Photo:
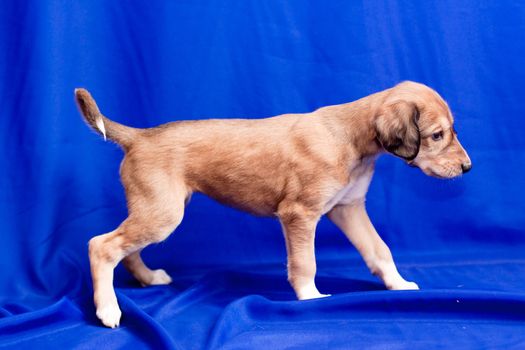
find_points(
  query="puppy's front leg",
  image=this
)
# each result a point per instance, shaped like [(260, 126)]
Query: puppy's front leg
[(299, 232), (354, 222)]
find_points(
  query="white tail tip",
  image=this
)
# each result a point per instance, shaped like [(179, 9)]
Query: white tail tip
[(100, 126)]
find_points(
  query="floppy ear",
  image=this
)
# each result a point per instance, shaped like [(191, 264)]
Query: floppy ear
[(397, 129)]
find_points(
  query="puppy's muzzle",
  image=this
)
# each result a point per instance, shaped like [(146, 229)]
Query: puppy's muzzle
[(465, 167)]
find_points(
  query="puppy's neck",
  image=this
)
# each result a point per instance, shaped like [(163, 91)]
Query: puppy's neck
[(353, 126)]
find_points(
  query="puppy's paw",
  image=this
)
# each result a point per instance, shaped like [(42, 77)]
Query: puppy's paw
[(322, 296), (109, 315), (310, 292), (404, 285), (158, 277)]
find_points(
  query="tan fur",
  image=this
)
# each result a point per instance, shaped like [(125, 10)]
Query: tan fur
[(296, 167)]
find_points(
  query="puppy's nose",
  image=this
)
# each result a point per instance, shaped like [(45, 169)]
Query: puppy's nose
[(466, 167)]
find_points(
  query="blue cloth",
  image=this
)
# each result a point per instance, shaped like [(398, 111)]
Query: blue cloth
[(152, 62)]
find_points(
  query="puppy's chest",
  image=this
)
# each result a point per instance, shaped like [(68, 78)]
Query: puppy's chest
[(352, 192)]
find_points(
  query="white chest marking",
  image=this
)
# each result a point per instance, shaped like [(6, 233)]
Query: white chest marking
[(354, 191)]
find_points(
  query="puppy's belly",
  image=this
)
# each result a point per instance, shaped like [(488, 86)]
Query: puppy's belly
[(261, 201)]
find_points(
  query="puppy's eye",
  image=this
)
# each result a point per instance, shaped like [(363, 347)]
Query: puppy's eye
[(437, 136)]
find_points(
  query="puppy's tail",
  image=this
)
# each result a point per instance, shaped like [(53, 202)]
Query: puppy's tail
[(121, 134)]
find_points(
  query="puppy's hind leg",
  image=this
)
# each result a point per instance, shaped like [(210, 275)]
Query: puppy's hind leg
[(147, 277), (151, 220)]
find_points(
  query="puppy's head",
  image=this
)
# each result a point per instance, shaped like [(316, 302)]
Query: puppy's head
[(415, 123)]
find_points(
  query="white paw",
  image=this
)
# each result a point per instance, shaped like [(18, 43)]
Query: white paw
[(109, 315), (160, 277), (310, 291), (404, 285), (316, 296)]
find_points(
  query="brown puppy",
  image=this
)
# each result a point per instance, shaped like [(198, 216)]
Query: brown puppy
[(297, 167)]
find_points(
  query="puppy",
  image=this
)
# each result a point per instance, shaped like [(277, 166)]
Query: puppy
[(296, 167)]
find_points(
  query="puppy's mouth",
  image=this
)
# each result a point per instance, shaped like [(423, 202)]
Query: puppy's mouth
[(443, 172), (439, 172)]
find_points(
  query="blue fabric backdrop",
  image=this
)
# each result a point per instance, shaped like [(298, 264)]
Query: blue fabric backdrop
[(151, 62)]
